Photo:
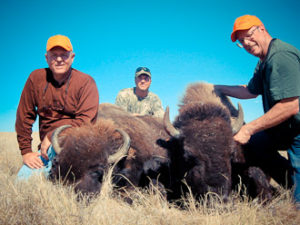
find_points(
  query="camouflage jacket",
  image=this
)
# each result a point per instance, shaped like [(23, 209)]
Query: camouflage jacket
[(150, 105)]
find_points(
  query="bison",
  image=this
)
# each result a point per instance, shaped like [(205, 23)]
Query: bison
[(86, 152), (203, 133), (198, 147)]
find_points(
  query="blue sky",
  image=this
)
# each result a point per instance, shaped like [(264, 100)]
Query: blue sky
[(180, 41)]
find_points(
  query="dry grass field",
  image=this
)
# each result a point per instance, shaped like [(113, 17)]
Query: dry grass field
[(38, 201)]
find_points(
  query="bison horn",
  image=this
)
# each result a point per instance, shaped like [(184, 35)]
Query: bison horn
[(122, 150), (54, 138), (169, 126), (237, 122)]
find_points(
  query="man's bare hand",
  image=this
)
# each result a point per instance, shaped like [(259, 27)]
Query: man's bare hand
[(32, 160), (243, 136), (44, 147)]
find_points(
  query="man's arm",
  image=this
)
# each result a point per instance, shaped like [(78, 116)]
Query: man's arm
[(26, 115), (279, 113), (157, 108), (87, 109), (44, 147), (241, 91), (122, 100)]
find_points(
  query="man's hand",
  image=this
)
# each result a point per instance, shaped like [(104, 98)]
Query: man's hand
[(243, 136), (32, 160), (44, 147), (280, 112)]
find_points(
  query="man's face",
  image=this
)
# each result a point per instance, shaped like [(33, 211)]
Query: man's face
[(143, 82), (59, 60), (252, 40)]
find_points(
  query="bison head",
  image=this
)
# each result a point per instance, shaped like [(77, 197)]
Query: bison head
[(204, 130), (85, 153)]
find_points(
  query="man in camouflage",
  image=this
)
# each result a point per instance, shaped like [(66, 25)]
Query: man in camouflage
[(139, 100)]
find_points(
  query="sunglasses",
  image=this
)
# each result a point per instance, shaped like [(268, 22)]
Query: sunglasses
[(144, 77), (142, 68), (241, 41), (64, 57)]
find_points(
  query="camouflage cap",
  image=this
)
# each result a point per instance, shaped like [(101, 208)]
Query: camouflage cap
[(142, 70)]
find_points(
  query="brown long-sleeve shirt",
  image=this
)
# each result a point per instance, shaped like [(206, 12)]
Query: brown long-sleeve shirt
[(74, 102)]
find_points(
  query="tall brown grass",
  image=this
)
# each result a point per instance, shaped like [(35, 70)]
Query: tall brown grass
[(38, 201)]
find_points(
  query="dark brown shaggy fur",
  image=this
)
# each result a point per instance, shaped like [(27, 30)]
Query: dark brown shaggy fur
[(207, 140), (86, 149), (84, 155), (214, 160), (147, 157)]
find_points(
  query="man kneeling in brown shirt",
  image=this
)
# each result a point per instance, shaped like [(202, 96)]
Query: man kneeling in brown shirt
[(59, 95)]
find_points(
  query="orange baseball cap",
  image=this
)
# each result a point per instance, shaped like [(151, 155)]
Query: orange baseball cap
[(244, 23), (59, 40)]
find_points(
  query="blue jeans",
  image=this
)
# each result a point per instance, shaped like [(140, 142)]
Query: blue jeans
[(25, 172), (294, 156), (262, 151)]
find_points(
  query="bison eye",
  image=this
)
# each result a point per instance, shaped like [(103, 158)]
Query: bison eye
[(97, 175)]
